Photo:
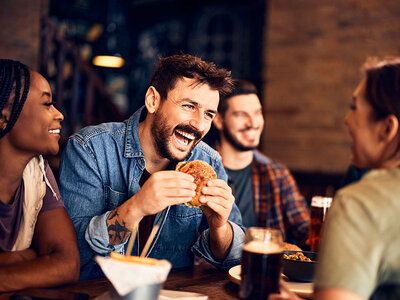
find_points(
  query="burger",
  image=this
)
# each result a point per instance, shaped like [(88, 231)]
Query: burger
[(202, 172)]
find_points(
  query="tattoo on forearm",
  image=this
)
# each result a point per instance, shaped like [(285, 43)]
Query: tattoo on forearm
[(117, 231), (113, 214)]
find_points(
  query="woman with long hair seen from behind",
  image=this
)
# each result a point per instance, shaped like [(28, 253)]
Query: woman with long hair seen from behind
[(38, 245), (360, 250)]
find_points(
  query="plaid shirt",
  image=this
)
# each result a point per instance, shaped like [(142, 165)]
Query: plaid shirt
[(277, 200)]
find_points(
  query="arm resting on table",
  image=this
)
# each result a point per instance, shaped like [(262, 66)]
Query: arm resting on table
[(57, 260), (9, 258)]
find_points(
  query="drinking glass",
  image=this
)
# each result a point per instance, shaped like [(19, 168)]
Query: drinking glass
[(261, 263), (319, 209)]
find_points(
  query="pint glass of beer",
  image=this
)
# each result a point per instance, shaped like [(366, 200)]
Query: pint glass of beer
[(319, 208), (261, 263)]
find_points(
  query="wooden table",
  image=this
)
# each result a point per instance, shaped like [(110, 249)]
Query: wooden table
[(203, 279)]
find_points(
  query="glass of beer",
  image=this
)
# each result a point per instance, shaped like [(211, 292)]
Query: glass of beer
[(261, 263), (319, 208)]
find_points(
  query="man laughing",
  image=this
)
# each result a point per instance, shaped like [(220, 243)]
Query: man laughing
[(115, 177)]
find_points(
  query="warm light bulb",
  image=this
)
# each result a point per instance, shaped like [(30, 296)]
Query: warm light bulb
[(108, 61)]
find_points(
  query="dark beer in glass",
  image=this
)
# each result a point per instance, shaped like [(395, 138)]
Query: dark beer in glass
[(319, 209), (261, 263)]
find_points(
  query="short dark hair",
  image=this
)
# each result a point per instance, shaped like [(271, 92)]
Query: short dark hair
[(14, 88), (169, 69), (240, 87), (383, 86)]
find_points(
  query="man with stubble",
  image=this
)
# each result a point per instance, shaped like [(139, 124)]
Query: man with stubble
[(265, 191), (117, 176)]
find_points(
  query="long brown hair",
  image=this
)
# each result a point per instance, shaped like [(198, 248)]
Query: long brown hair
[(383, 86)]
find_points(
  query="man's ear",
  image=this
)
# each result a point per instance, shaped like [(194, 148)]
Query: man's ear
[(390, 128), (218, 122), (152, 99), (4, 118)]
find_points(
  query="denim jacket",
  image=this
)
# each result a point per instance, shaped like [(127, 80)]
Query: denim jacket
[(100, 169)]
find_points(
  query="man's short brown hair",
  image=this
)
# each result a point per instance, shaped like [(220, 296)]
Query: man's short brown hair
[(169, 69), (240, 87)]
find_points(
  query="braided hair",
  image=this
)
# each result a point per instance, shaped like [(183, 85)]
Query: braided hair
[(14, 87)]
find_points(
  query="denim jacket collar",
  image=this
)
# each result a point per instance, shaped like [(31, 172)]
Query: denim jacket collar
[(132, 142)]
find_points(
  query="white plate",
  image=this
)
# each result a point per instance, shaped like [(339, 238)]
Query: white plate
[(303, 289)]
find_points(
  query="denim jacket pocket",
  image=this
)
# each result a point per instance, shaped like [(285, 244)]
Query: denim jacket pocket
[(114, 198)]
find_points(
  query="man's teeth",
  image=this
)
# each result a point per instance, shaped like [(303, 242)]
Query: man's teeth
[(186, 135), (54, 131)]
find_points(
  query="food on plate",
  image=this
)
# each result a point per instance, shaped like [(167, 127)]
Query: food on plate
[(202, 173), (297, 256), (133, 259)]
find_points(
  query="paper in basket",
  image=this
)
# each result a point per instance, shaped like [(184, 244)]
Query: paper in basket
[(127, 276)]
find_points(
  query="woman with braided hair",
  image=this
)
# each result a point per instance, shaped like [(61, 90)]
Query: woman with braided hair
[(38, 245)]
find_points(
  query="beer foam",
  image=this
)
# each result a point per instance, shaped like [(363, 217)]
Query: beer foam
[(263, 247), (318, 201)]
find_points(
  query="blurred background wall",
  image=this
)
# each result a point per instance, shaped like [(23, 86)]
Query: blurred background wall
[(303, 55), (313, 56), (20, 25)]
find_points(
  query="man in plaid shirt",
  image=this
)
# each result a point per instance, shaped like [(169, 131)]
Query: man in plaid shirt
[(265, 191)]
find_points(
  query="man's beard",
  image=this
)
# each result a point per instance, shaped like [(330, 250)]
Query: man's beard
[(234, 142), (163, 133)]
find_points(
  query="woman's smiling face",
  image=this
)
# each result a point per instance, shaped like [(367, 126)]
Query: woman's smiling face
[(37, 129)]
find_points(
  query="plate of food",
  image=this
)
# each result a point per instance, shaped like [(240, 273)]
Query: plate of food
[(302, 289)]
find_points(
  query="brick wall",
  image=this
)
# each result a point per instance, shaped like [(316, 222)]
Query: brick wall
[(314, 52), (312, 65), (20, 30)]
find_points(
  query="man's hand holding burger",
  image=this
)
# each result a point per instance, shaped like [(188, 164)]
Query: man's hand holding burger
[(162, 189), (195, 184), (216, 200)]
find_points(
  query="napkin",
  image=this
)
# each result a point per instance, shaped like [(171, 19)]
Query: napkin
[(127, 276)]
